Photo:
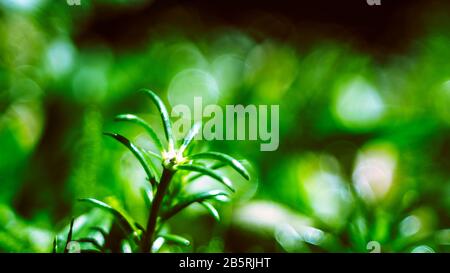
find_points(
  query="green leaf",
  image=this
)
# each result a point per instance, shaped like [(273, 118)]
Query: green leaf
[(139, 121), (190, 136), (125, 247), (153, 168), (55, 245), (157, 244), (211, 209), (214, 166), (147, 194), (199, 197), (139, 226), (124, 222), (150, 153), (207, 172), (101, 231), (164, 116), (69, 236), (136, 152), (235, 164), (176, 239), (91, 241)]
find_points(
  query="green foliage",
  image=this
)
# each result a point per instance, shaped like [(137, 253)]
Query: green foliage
[(162, 203), (329, 187)]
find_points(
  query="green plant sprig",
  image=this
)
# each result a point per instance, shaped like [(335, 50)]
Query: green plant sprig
[(174, 159)]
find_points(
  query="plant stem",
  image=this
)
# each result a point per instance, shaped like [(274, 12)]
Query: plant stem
[(147, 241)]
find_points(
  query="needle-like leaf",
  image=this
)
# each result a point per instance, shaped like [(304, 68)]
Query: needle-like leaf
[(145, 125), (214, 166), (136, 152), (176, 239), (101, 231), (157, 244), (69, 236), (205, 171), (235, 164), (187, 201), (164, 116), (139, 226), (190, 136), (124, 222), (211, 209), (147, 194), (55, 245), (150, 153), (90, 241), (147, 156)]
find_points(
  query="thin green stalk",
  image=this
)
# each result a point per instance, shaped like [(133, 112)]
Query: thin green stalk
[(156, 205)]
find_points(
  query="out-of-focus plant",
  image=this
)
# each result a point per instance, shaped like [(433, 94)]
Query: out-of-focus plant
[(165, 198)]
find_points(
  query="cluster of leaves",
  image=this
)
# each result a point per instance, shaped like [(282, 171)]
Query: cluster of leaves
[(165, 196)]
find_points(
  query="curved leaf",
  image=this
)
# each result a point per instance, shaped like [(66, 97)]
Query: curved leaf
[(125, 223), (69, 236), (214, 166), (139, 121), (211, 209), (91, 241), (207, 172), (157, 244), (150, 153), (136, 152), (190, 136), (164, 116), (176, 239), (153, 168), (199, 197), (125, 247), (147, 194), (55, 245), (235, 164), (101, 231)]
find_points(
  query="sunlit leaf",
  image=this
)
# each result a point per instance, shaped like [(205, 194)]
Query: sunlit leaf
[(136, 152), (147, 154), (205, 171), (126, 247), (190, 136), (137, 120), (147, 194), (55, 245), (90, 241), (235, 164), (157, 244), (214, 166), (125, 223), (101, 231), (211, 209), (150, 153), (164, 116), (69, 236), (199, 197), (176, 239)]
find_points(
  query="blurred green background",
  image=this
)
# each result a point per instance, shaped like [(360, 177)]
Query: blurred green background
[(364, 95)]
